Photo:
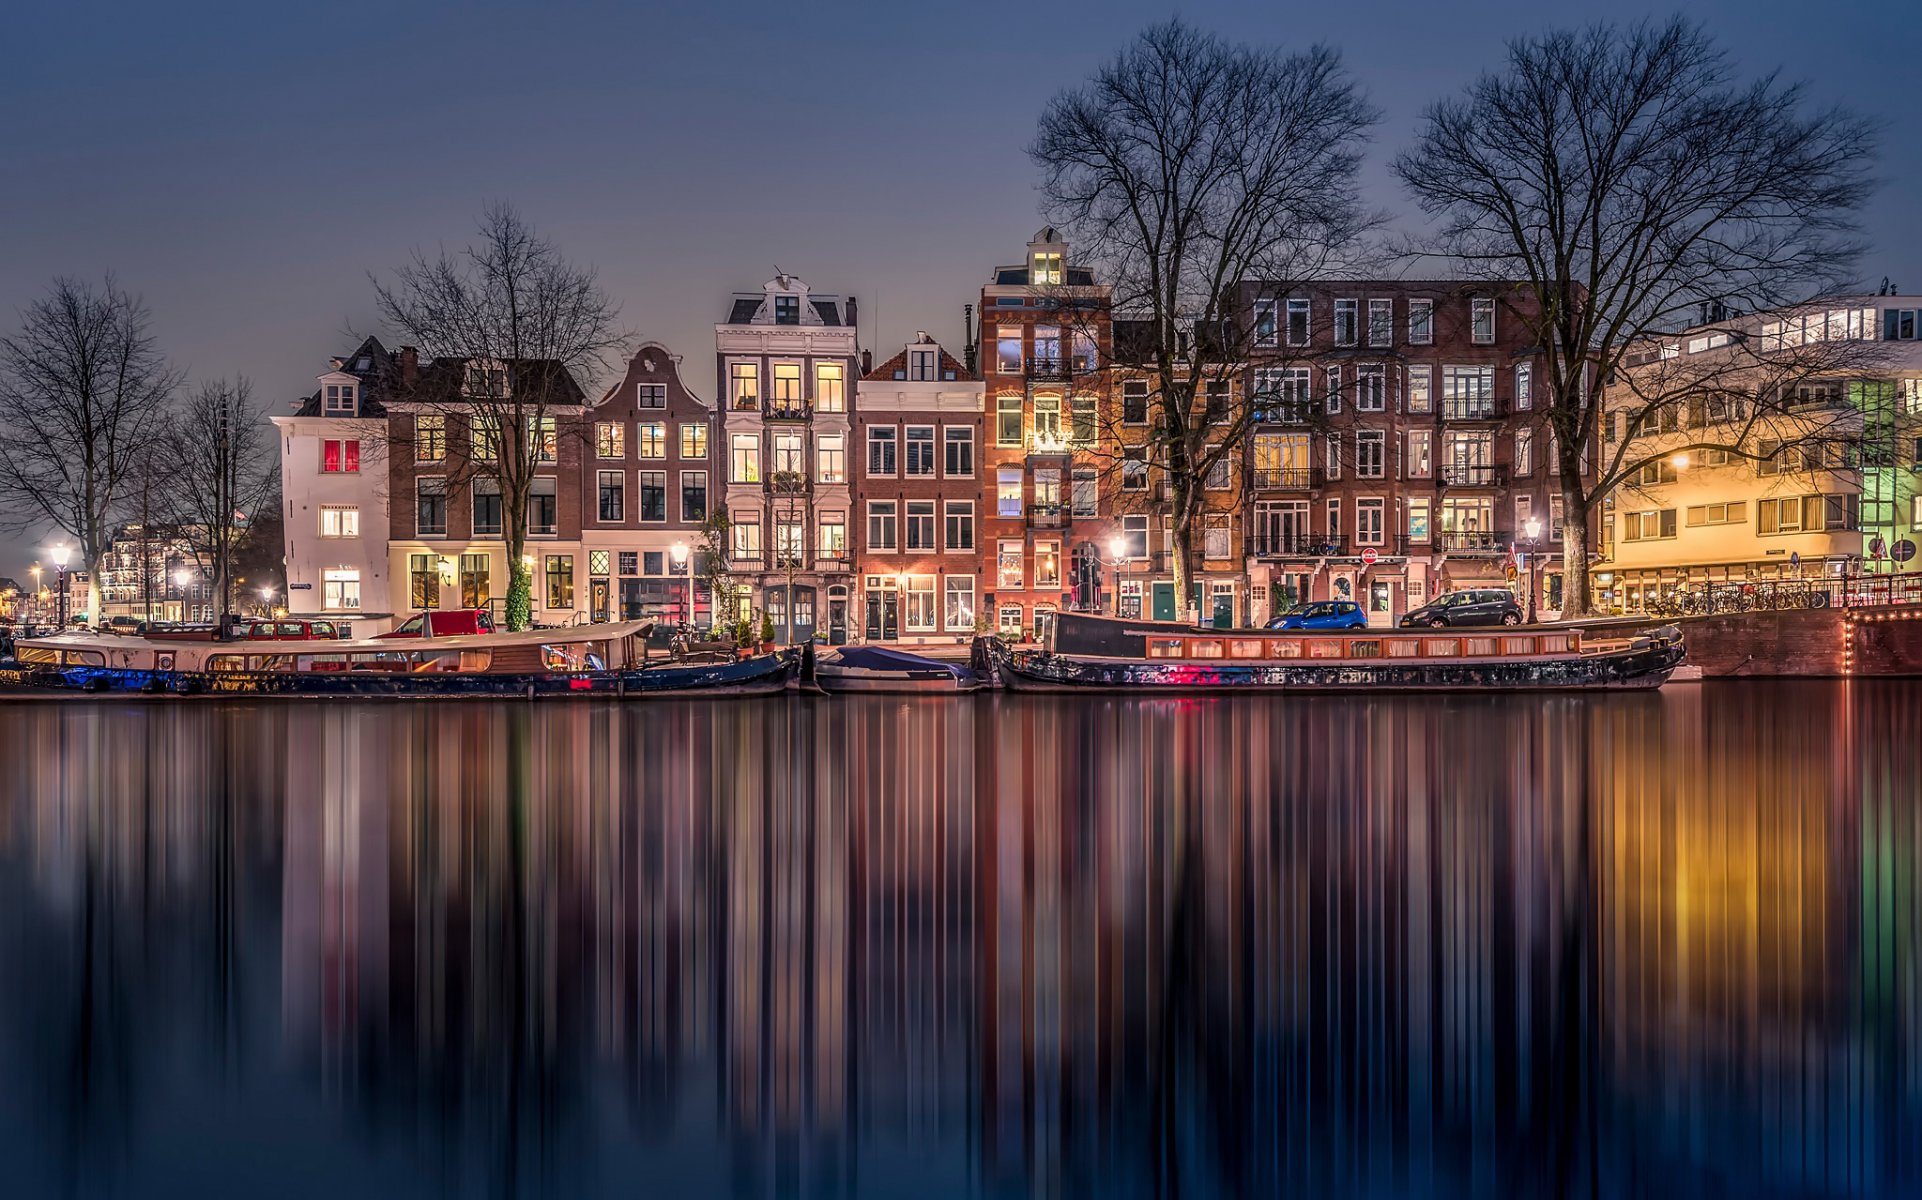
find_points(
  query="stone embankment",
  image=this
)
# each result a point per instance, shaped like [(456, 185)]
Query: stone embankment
[(1881, 640)]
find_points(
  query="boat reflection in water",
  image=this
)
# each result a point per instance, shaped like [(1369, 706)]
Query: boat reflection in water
[(1621, 945)]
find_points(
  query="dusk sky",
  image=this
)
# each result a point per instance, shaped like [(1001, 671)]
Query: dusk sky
[(245, 166)]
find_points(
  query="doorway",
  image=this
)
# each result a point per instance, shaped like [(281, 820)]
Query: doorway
[(597, 598), (1164, 600)]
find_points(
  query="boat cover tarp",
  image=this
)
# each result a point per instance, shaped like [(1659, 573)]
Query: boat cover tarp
[(880, 658)]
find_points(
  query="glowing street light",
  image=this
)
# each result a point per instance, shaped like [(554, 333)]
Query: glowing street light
[(1531, 533), (1117, 547), (1679, 462), (678, 552)]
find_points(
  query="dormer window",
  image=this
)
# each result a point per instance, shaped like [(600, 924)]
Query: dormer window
[(787, 310), (487, 381), (339, 400), (921, 364), (1046, 267)]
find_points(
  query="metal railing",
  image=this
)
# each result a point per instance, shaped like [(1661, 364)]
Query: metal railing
[(1478, 475), (1490, 409), (1297, 545), (1475, 541), (1284, 478), (1048, 516), (787, 410)]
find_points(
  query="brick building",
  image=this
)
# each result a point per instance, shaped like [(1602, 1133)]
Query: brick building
[(919, 423), (785, 358), (1399, 423)]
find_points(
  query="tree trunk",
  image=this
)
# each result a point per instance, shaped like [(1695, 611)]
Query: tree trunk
[(520, 574), (1575, 541), (1186, 577)]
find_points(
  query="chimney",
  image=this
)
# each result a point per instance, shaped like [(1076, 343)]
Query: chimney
[(854, 321), (409, 366), (867, 363), (967, 336)]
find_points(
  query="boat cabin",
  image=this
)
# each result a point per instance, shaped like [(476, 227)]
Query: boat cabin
[(1082, 635)]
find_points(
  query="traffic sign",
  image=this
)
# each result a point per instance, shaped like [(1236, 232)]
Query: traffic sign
[(1795, 559), (1902, 551), (1368, 556)]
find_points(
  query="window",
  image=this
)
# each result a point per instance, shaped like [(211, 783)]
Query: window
[(423, 582), (881, 525), (958, 446), (958, 603), (831, 458), (1085, 359), (790, 455), (921, 364), (1134, 469), (1799, 514), (1267, 329), (1007, 349), (1134, 537), (1047, 423), (1007, 419), (1421, 453), (597, 561), (1134, 402), (1371, 389), (1081, 420), (1734, 512), (694, 440), (1047, 349), (746, 529), (1215, 540), (881, 450), (1481, 319), (1898, 324), (1524, 509), (542, 439), (1334, 456), (339, 521), (746, 463), (484, 437), (1007, 492), (1047, 267), (1370, 516), (1524, 387), (1009, 618), (1524, 451), (693, 496), (1086, 491), (339, 401), (1220, 404), (650, 395), (790, 539), (1418, 519), (613, 495), (744, 384), (340, 589), (543, 508), (1468, 393), (653, 493), (1220, 475), (1298, 312), (919, 447), (787, 310), (474, 589), (833, 535), (430, 508), (787, 385), (957, 518), (430, 438), (610, 440), (918, 613), (1421, 322), (340, 457), (1371, 454), (1334, 389), (560, 581), (487, 508), (919, 534), (1652, 524), (1345, 319), (650, 439), (1011, 565), (1421, 395), (1334, 520), (1047, 565)]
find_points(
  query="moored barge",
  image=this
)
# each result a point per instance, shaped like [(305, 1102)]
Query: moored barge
[(1080, 653)]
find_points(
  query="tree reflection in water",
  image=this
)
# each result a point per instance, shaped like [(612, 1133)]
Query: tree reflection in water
[(1603, 945)]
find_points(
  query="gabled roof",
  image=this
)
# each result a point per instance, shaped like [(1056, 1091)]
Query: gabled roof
[(899, 363), (377, 370)]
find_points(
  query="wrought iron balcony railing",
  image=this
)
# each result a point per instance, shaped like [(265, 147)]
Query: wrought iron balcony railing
[(1048, 516), (1284, 478), (1296, 545), (1476, 476), (1488, 409), (1495, 541), (787, 410)]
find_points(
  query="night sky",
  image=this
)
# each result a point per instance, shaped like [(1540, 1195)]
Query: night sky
[(244, 166)]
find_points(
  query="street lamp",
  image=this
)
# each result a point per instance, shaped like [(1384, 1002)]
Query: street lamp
[(1531, 533), (60, 554), (678, 552), (1117, 546)]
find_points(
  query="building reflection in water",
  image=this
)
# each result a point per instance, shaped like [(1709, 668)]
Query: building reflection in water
[(1613, 946)]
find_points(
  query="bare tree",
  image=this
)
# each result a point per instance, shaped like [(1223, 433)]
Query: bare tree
[(1188, 167), (222, 473), (527, 330), (1622, 178), (82, 390)]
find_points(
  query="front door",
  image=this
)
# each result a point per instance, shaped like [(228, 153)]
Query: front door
[(837, 622), (884, 619), (1164, 600), (1224, 610), (597, 593), (802, 612)]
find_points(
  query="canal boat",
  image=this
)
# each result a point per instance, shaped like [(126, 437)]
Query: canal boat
[(883, 671), (1079, 653), (608, 660)]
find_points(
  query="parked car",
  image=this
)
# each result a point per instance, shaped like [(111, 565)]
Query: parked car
[(1322, 614), (1470, 606), (445, 624)]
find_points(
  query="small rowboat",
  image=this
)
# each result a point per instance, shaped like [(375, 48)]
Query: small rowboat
[(1081, 653), (878, 670), (608, 660)]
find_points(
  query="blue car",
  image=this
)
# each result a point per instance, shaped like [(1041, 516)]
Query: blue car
[(1322, 614)]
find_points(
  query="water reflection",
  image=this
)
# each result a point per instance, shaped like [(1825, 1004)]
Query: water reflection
[(1611, 946)]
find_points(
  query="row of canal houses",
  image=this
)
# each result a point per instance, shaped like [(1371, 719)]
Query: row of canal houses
[(937, 492)]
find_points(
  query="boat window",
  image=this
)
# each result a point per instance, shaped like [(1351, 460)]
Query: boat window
[(164, 661), (1518, 645), (1442, 647), (1481, 645), (37, 654), (1164, 647), (563, 657), (1404, 648), (1244, 649), (1368, 649), (475, 660), (1555, 643), (1325, 648), (1285, 648), (1204, 648), (86, 658)]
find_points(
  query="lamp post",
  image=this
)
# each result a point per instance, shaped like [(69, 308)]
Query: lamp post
[(1117, 546), (678, 552), (39, 593), (59, 555), (267, 599), (1531, 532)]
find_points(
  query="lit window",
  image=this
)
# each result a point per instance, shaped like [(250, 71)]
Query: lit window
[(339, 521), (610, 440), (1047, 267), (340, 589), (430, 438), (1482, 321), (830, 388), (650, 439), (694, 440)]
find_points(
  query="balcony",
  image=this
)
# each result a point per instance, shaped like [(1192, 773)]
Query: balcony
[(1296, 545), (745, 403), (1049, 441), (1489, 409), (787, 483), (833, 562), (1477, 475), (787, 410), (1048, 516), (1046, 370), (1474, 541), (1284, 479)]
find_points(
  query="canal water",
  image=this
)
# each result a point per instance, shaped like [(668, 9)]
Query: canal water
[(1634, 945)]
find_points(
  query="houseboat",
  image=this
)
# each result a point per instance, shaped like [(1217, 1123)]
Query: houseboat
[(608, 660), (1079, 653), (879, 670)]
